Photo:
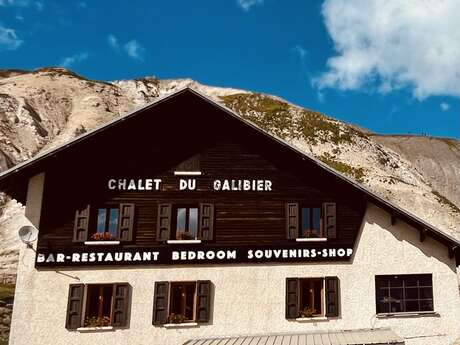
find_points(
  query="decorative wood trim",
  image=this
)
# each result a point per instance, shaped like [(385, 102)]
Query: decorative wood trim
[(183, 241), (181, 325), (102, 243), (452, 250), (423, 233), (95, 329), (320, 239), (187, 173)]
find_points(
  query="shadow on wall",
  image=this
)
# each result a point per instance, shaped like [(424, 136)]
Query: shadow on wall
[(404, 233)]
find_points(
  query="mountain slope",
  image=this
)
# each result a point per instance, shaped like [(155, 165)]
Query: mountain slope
[(47, 107)]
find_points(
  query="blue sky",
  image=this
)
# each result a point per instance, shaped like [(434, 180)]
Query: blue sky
[(381, 64)]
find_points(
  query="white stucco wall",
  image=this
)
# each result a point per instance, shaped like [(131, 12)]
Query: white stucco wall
[(250, 299)]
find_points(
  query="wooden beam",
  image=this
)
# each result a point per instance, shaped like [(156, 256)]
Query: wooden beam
[(393, 219), (452, 250), (423, 234)]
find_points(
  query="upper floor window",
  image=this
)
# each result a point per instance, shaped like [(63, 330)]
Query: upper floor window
[(311, 221), (98, 305), (185, 222), (404, 293), (179, 302), (107, 223), (312, 297)]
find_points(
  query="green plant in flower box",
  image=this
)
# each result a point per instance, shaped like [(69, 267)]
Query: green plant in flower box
[(94, 321), (307, 312), (176, 318)]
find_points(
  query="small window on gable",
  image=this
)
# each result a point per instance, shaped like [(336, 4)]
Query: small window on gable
[(311, 222), (194, 222), (304, 222), (104, 223), (186, 223)]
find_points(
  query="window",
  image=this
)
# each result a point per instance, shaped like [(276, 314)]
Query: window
[(98, 305), (181, 302), (312, 297), (106, 227), (404, 293), (185, 222), (311, 222), (105, 223)]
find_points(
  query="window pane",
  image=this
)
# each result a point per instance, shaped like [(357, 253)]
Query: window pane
[(426, 305), (412, 293), (311, 291), (316, 224), (182, 301), (98, 305), (193, 222), (426, 293), (305, 222), (412, 306), (181, 219), (101, 217), (113, 221)]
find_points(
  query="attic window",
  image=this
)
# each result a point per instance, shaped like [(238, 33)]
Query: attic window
[(189, 167)]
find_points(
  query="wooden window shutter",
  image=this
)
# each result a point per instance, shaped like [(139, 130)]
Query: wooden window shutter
[(81, 225), (329, 219), (120, 304), (332, 296), (126, 222), (160, 303), (203, 304), (206, 230), (292, 298), (292, 220), (74, 306), (164, 222)]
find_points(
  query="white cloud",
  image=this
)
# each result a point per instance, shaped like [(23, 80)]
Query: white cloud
[(19, 17), (248, 4), (444, 106), (113, 41), (69, 61), (394, 44), (300, 51), (9, 40), (134, 50), (22, 3)]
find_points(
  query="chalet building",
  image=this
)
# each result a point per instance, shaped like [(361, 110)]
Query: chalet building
[(182, 223)]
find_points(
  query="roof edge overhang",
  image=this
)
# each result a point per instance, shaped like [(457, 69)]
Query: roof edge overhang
[(395, 211)]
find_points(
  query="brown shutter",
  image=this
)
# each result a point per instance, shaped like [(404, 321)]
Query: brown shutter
[(120, 304), (126, 222), (81, 225), (203, 302), (74, 306), (206, 230), (160, 303), (329, 219), (332, 296), (292, 298), (164, 222), (292, 220)]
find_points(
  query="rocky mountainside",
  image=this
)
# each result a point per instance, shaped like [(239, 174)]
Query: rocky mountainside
[(44, 108)]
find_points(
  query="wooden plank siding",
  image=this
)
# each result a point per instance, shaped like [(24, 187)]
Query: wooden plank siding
[(241, 217)]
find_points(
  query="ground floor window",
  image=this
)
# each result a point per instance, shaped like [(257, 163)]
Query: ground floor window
[(180, 302), (98, 305), (312, 297), (404, 293)]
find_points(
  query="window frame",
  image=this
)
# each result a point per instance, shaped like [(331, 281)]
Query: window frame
[(311, 208), (403, 299), (174, 232), (78, 306), (195, 298), (322, 314), (94, 222)]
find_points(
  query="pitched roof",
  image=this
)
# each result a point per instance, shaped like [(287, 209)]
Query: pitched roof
[(27, 169)]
